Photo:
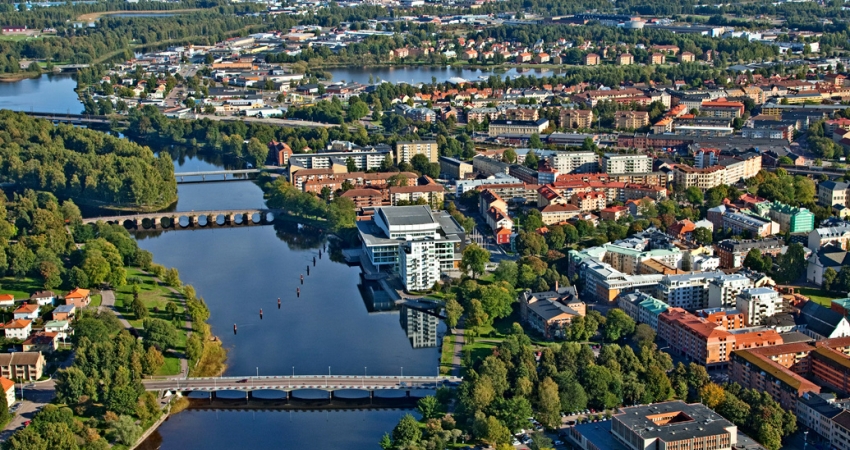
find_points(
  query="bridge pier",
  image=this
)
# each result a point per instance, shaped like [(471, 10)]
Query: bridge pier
[(247, 219), (229, 219), (192, 220)]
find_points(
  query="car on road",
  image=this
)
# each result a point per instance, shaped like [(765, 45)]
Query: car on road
[(27, 423), (244, 380)]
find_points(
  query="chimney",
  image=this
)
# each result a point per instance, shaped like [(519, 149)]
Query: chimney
[(556, 285)]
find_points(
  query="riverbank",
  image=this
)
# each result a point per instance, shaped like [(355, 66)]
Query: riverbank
[(13, 77), (97, 15)]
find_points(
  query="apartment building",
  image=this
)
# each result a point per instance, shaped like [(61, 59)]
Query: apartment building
[(454, 169), (550, 313), (604, 283), (576, 118), (523, 127), (27, 366), (839, 235), (556, 214), (591, 59), (723, 290), (791, 219), (757, 304), (589, 201), (631, 120), (365, 198), (574, 162), (760, 369), (704, 179), (732, 252), (489, 167), (432, 194), (616, 163), (642, 307), (405, 151), (705, 342), (755, 226), (688, 291), (625, 59), (831, 193)]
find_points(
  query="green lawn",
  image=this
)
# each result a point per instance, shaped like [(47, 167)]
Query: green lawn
[(155, 297), (20, 288), (96, 299), (819, 295), (446, 355)]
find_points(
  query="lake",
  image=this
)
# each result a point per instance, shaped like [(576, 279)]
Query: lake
[(48, 93)]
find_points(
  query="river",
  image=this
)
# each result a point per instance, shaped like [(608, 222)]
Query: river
[(240, 270), (48, 93)]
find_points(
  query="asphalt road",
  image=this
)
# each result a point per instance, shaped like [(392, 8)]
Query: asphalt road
[(299, 382)]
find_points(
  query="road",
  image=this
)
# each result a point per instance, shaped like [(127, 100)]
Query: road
[(299, 382), (293, 123)]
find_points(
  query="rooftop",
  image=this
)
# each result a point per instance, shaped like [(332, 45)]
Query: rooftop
[(673, 421)]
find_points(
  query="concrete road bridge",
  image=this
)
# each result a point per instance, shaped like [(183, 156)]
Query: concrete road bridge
[(213, 175), (289, 384), (162, 221), (76, 119)]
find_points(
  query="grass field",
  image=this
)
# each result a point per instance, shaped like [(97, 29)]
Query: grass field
[(819, 295), (96, 300), (155, 297), (20, 37), (446, 355), (20, 288)]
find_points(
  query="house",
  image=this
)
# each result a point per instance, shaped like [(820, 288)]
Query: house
[(61, 327), (7, 300), (625, 59), (8, 387), (44, 342), (64, 312), (592, 59), (18, 329), (80, 298), (613, 213), (43, 298), (557, 213), (28, 366), (687, 57), (27, 311)]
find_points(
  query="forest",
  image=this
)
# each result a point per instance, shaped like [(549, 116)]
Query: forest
[(87, 166)]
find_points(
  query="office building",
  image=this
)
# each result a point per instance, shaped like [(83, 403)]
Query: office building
[(673, 425), (642, 308), (524, 127), (414, 241)]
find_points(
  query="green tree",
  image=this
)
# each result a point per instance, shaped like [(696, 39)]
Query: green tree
[(617, 324), (428, 407), (531, 159), (160, 333), (694, 195), (453, 312), (139, 308), (829, 277), (476, 316), (350, 165), (548, 404), (755, 261), (257, 152), (341, 213), (70, 385), (535, 142), (509, 156), (644, 335), (125, 429), (703, 236), (506, 271), (407, 432), (474, 260), (172, 277)]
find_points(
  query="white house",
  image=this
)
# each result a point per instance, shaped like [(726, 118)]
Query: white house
[(43, 298), (18, 329), (61, 327), (27, 311), (7, 300)]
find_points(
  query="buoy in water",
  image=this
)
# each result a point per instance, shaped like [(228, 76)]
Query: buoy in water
[(278, 303), (234, 328), (298, 292), (302, 278), (308, 271), (314, 261), (261, 313)]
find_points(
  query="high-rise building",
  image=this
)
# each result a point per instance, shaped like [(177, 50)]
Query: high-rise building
[(757, 304), (615, 163), (405, 151)]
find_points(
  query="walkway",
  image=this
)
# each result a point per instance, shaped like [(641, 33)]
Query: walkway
[(460, 339), (108, 302)]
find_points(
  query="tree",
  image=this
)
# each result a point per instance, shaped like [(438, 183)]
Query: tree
[(126, 431), (755, 261), (50, 273), (139, 308), (172, 277), (428, 407), (407, 432), (694, 195), (792, 264), (531, 159), (531, 243), (509, 156), (453, 312), (476, 316), (513, 412), (829, 276), (26, 439), (4, 410), (540, 441), (474, 260), (573, 397), (712, 395), (257, 152), (617, 325), (160, 333), (341, 213), (644, 335), (350, 165), (535, 142), (506, 271), (548, 404), (703, 236)]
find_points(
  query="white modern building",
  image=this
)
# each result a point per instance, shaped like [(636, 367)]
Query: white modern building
[(688, 291), (574, 162), (757, 304), (723, 291), (413, 241), (615, 163)]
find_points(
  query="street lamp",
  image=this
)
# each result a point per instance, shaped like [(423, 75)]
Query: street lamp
[(258, 372), (805, 439), (402, 371), (293, 376), (364, 376)]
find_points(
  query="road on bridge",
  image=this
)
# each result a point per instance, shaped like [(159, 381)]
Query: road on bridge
[(334, 382)]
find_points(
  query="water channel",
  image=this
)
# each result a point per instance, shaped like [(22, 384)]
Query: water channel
[(240, 270)]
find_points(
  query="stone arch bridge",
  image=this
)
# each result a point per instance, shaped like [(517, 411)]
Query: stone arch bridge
[(187, 220)]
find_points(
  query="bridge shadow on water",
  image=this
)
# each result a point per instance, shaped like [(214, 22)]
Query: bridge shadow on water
[(304, 400)]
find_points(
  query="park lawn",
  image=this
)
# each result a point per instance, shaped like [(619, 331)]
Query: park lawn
[(155, 297), (819, 295), (446, 355), (479, 350), (21, 288)]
